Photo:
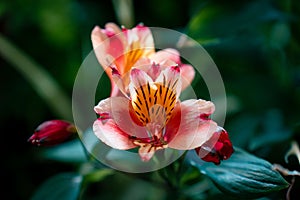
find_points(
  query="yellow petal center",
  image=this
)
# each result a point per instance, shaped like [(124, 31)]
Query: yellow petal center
[(154, 104), (134, 53)]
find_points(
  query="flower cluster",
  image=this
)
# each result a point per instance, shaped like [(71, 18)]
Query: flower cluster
[(144, 110)]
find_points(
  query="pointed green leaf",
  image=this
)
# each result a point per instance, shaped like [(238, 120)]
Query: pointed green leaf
[(62, 186), (243, 175)]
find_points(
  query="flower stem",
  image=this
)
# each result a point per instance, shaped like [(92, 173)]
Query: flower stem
[(40, 79), (124, 12)]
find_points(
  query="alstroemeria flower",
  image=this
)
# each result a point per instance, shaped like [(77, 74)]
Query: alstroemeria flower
[(217, 148), (121, 47), (119, 50), (52, 132), (153, 118)]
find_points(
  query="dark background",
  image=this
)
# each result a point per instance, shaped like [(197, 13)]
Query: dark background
[(255, 44)]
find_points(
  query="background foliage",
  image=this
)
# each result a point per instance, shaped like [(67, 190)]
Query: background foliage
[(255, 44)]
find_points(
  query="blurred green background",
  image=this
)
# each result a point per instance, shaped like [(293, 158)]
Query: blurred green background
[(255, 44)]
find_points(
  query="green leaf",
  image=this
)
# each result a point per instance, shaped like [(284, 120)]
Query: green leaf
[(67, 152), (98, 175), (62, 186), (274, 131), (243, 175), (215, 20)]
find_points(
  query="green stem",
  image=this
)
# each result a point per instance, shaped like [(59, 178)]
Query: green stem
[(124, 12), (40, 79)]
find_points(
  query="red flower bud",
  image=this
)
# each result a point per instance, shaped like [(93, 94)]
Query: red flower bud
[(52, 132), (217, 148)]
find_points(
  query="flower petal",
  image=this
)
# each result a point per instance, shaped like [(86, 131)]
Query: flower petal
[(119, 109), (116, 42), (166, 54), (101, 43), (108, 45), (193, 129), (146, 152), (118, 87), (217, 148), (170, 78), (97, 36), (139, 44), (143, 36), (187, 75), (112, 135), (53, 132), (112, 27), (138, 79), (151, 68)]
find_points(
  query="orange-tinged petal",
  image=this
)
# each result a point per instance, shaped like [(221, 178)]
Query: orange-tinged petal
[(154, 102), (138, 44), (119, 109), (122, 48), (170, 78)]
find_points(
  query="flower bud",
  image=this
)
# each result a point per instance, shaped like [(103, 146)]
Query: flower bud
[(52, 132), (217, 148)]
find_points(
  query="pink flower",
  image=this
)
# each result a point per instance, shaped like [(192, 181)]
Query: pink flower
[(119, 50), (52, 132), (217, 148), (153, 118), (122, 47)]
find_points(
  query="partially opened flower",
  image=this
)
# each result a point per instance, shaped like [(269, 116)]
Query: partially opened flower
[(119, 50), (217, 148), (153, 118), (53, 132)]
